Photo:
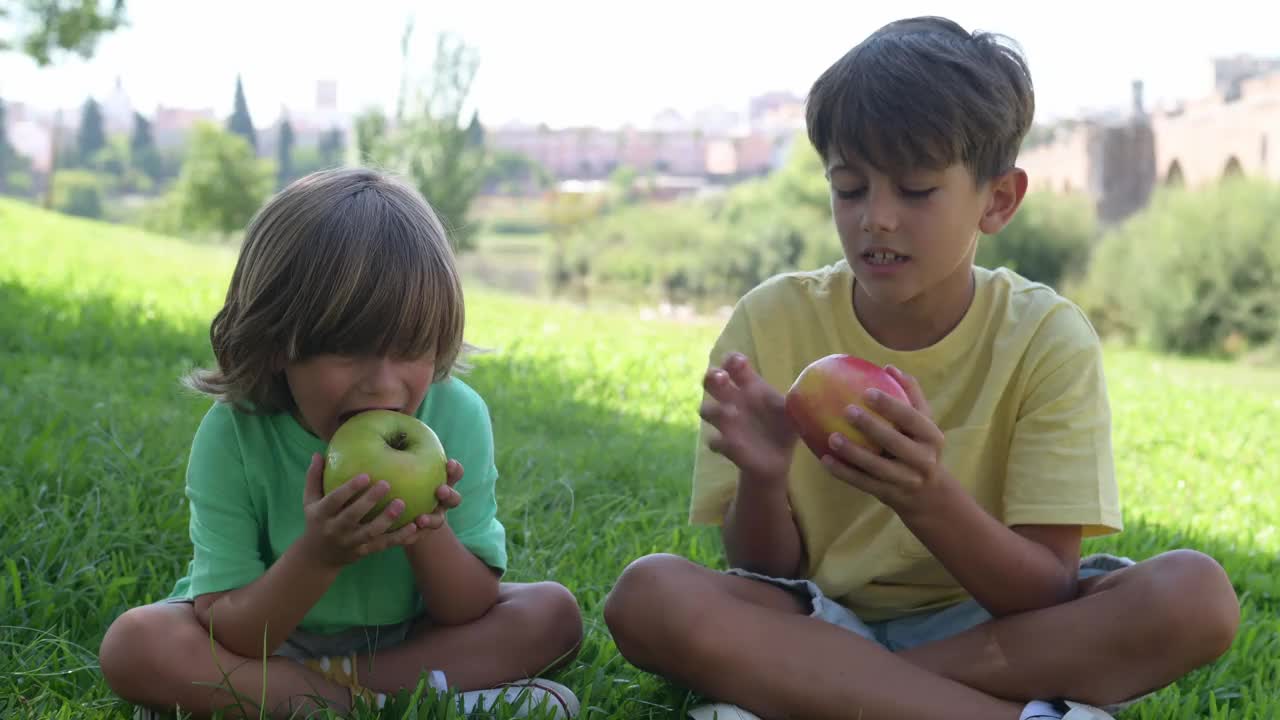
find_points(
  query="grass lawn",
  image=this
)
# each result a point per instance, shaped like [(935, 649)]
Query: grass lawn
[(594, 417)]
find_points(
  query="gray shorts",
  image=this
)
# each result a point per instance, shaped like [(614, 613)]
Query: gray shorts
[(303, 645), (913, 630)]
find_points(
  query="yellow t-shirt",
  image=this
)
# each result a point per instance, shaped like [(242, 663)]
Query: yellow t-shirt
[(1017, 387)]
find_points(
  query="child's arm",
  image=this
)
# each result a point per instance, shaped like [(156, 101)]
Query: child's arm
[(263, 613), (760, 532), (457, 587), (258, 617), (983, 553)]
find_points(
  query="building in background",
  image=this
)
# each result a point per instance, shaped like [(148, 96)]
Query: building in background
[(1119, 159)]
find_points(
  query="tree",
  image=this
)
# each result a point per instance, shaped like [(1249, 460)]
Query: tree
[(143, 155), (222, 182), (91, 137), (240, 122), (45, 27), (429, 143), (331, 146), (475, 131), (79, 193), (284, 154), (370, 129), (6, 152), (513, 173)]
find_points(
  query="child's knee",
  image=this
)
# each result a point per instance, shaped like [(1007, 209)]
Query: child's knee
[(648, 587), (125, 649), (1205, 602), (1185, 597), (547, 617), (145, 648), (641, 583), (559, 614)]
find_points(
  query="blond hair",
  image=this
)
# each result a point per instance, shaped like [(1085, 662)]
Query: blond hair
[(348, 261)]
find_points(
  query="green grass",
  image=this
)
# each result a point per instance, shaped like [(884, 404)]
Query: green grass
[(594, 417)]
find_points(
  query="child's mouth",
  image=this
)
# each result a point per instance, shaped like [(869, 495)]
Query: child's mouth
[(884, 257), (352, 413)]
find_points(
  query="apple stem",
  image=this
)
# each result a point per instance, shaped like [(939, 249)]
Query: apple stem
[(399, 441)]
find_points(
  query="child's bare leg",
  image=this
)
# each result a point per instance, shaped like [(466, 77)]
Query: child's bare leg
[(530, 630), (1131, 631), (160, 656), (751, 644)]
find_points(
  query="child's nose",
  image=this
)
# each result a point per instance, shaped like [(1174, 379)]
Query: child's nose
[(379, 377), (879, 212)]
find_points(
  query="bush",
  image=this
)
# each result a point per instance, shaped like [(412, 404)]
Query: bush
[(78, 192), (221, 186), (642, 251), (1048, 240), (702, 250), (162, 215), (19, 183), (1195, 272)]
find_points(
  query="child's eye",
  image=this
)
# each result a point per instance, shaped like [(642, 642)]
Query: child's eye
[(850, 194), (916, 194)]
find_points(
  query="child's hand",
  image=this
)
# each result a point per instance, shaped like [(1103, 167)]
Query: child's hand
[(754, 431), (335, 535), (910, 470), (446, 499)]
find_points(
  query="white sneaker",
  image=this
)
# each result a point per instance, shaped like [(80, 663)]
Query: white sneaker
[(1105, 561), (1080, 711), (1062, 710), (721, 711), (524, 696)]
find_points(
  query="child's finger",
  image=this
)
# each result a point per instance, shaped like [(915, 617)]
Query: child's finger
[(448, 497), (719, 385), (749, 382), (379, 525), (453, 471), (871, 464), (854, 476), (740, 370), (361, 506), (908, 419), (430, 521), (341, 495), (314, 489), (715, 412), (914, 392), (406, 535)]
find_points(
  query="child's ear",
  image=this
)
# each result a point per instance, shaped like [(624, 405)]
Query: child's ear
[(1007, 191)]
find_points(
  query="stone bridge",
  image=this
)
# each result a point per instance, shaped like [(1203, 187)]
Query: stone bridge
[(1120, 161)]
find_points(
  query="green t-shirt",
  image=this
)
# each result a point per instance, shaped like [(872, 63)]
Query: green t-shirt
[(245, 481)]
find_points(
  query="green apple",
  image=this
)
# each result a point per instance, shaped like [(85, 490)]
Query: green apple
[(391, 446)]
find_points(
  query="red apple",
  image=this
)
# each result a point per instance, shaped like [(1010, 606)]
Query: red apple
[(818, 399)]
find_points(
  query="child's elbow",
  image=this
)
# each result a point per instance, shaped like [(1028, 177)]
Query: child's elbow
[(478, 603)]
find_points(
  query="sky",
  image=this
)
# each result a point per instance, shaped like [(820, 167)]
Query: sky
[(606, 63)]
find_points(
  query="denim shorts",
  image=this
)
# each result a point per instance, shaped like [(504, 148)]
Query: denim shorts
[(913, 630), (303, 645)]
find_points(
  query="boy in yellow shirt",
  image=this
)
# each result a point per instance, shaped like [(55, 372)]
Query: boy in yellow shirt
[(943, 578)]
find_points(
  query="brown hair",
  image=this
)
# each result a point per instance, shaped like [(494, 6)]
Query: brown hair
[(344, 261), (924, 93)]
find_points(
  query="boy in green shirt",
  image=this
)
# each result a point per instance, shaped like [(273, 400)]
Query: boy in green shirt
[(344, 299)]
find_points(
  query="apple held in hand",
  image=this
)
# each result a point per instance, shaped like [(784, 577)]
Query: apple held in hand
[(391, 446), (821, 393)]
